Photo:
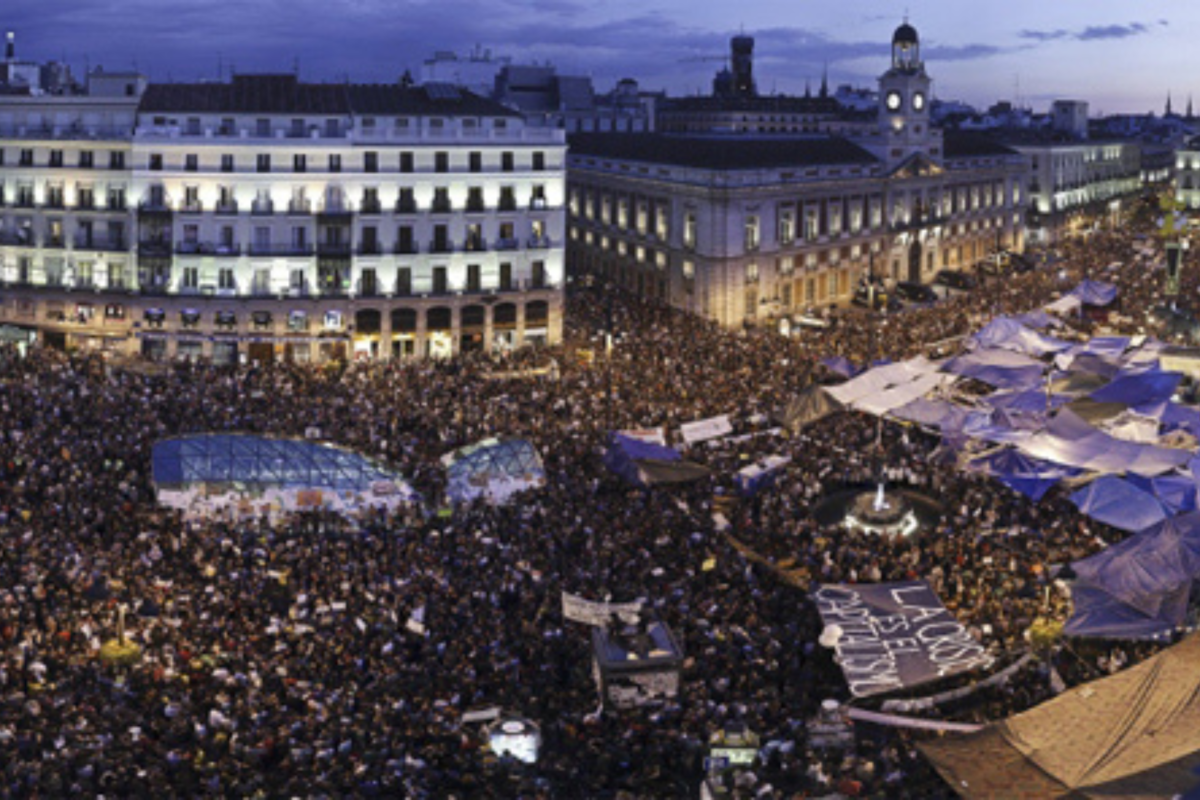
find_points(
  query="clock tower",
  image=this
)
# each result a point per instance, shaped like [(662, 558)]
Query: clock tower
[(904, 103)]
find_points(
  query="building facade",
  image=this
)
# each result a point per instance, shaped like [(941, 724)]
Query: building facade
[(747, 230), (266, 218)]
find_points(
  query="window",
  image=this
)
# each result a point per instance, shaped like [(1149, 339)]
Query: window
[(474, 239), (439, 280), (191, 162), (506, 161), (370, 161), (406, 161), (191, 277), (537, 199), (191, 198), (225, 278), (474, 280), (404, 281), (475, 161), (299, 163), (156, 161), (752, 272), (263, 162), (335, 162), (116, 199), (475, 198), (506, 279), (406, 203), (262, 127), (404, 240), (116, 160), (787, 227), (508, 200), (751, 233), (56, 158), (85, 197), (441, 201), (27, 158), (85, 159), (441, 161), (227, 127), (689, 230), (54, 195), (227, 163), (539, 161), (370, 201)]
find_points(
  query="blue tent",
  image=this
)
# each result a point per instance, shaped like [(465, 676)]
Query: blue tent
[(1117, 502), (1100, 615), (1095, 293), (645, 463), (1008, 334), (1150, 574), (1032, 477)]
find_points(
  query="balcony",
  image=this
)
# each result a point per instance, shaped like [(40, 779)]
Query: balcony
[(370, 249), (333, 249), (441, 208), (507, 244), (17, 238), (298, 208), (539, 242), (371, 207), (475, 208), (474, 246), (191, 208), (207, 249), (441, 247), (336, 213), (54, 242), (405, 249), (154, 208), (227, 208), (406, 207), (278, 249), (262, 209), (54, 203), (157, 249)]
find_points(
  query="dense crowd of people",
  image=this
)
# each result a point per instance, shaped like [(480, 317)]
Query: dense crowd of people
[(277, 658)]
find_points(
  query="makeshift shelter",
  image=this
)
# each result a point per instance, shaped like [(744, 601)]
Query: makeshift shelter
[(1135, 734), (636, 665), (1139, 388), (647, 464), (1150, 574), (760, 474), (1072, 441), (1003, 369), (840, 365), (812, 404), (492, 468), (1117, 502), (1006, 333), (1095, 293), (206, 473)]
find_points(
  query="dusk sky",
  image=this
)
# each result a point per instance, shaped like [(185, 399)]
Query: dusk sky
[(1120, 56)]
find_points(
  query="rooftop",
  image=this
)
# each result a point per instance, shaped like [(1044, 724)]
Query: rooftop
[(720, 153)]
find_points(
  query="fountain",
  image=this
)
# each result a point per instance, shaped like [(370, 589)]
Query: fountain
[(880, 511)]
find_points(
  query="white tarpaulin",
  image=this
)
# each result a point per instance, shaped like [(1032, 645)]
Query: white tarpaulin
[(1064, 305), (881, 379), (883, 402), (1071, 441), (704, 429)]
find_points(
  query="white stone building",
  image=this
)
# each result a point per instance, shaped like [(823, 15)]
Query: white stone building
[(268, 218)]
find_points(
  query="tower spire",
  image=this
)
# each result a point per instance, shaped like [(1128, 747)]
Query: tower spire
[(825, 81), (1168, 103)]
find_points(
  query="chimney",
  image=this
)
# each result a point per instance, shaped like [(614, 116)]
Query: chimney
[(10, 48)]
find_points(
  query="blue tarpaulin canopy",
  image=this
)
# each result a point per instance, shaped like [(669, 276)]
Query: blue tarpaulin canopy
[(1117, 502), (645, 463), (1177, 493), (1095, 293), (840, 366), (1031, 477), (1000, 368), (1006, 333), (1149, 574), (1139, 388)]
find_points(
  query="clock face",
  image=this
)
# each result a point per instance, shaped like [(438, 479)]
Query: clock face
[(893, 101), (918, 101)]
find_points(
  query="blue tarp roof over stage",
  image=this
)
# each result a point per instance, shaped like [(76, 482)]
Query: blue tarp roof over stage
[(645, 463), (236, 458), (1141, 586)]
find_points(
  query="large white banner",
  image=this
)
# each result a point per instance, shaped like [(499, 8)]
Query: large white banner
[(704, 429), (593, 612)]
